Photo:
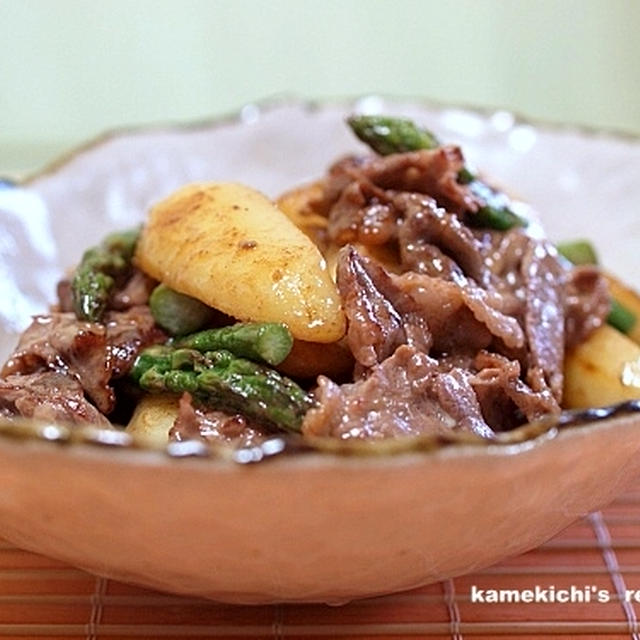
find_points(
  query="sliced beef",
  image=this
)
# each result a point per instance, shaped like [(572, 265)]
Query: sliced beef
[(362, 214), (92, 353), (61, 342), (381, 316), (406, 395), (425, 225), (194, 423), (500, 390), (544, 282), (461, 315), (588, 303), (48, 396), (65, 296), (134, 293), (127, 333), (358, 190)]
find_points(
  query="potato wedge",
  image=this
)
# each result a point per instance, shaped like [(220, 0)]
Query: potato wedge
[(310, 359), (603, 370), (299, 206), (232, 248), (153, 418)]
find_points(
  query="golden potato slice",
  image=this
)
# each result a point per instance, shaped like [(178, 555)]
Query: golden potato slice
[(153, 418), (232, 248), (310, 359), (603, 370)]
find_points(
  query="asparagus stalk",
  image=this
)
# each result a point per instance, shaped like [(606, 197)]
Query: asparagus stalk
[(578, 252), (97, 272), (223, 381), (268, 342), (387, 135), (177, 312), (621, 317)]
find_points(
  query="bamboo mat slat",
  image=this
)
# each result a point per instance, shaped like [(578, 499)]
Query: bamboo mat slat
[(41, 598)]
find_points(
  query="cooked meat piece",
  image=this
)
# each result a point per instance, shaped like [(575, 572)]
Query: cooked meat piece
[(128, 332), (195, 423), (499, 388), (381, 316), (362, 214), (406, 395), (134, 293), (61, 342), (65, 297), (425, 225), (588, 303), (48, 396), (544, 282), (462, 316), (90, 352)]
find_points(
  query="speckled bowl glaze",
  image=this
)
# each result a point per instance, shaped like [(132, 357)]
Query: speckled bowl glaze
[(326, 524)]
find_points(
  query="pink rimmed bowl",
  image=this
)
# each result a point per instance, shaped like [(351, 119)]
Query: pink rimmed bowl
[(300, 525)]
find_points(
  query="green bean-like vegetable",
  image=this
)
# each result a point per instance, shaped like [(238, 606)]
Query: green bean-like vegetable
[(495, 213), (620, 317), (178, 313), (98, 271), (268, 342), (501, 219), (223, 381), (387, 135), (578, 252)]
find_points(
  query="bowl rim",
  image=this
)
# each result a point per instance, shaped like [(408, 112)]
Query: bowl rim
[(269, 104), (521, 438)]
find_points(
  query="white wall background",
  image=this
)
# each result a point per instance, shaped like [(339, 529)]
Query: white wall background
[(70, 69)]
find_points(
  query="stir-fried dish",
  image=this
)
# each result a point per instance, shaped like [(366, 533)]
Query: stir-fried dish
[(398, 295)]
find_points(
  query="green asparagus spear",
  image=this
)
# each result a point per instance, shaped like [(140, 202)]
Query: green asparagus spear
[(268, 342), (620, 317), (578, 252), (97, 272), (387, 135), (495, 212), (222, 381), (177, 312)]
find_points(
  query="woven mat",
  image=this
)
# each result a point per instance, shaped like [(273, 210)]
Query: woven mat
[(43, 598)]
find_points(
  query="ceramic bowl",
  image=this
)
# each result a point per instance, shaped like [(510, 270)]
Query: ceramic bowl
[(303, 525)]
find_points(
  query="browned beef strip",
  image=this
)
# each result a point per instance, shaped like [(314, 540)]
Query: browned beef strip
[(359, 190), (381, 316), (195, 423), (63, 343), (588, 303), (134, 293), (499, 387), (128, 332), (425, 225), (362, 214), (462, 316), (49, 396), (544, 281), (65, 296), (406, 395), (90, 352)]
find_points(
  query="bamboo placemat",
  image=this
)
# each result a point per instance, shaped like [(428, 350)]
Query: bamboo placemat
[(43, 598)]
